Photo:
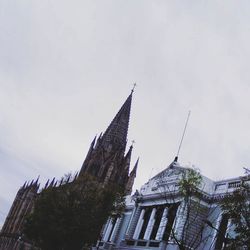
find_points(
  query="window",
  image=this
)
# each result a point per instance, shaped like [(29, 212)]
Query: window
[(220, 186), (234, 184)]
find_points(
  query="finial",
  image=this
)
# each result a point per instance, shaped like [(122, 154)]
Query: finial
[(133, 88), (61, 181), (68, 179), (52, 182), (37, 179), (24, 184), (136, 164), (46, 184)]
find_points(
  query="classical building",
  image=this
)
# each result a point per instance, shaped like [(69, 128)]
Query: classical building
[(158, 216), (107, 160)]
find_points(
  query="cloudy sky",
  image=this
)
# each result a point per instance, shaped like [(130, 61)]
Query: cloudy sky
[(67, 66)]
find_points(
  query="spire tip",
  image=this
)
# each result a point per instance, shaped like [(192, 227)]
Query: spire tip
[(133, 89)]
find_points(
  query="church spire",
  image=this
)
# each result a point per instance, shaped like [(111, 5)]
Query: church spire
[(116, 133), (106, 159)]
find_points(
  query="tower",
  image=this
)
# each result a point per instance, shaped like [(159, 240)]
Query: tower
[(106, 159), (11, 233)]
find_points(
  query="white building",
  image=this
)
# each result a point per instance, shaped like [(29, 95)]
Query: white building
[(156, 217)]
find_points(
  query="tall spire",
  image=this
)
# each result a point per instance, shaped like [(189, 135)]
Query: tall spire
[(116, 133), (106, 159)]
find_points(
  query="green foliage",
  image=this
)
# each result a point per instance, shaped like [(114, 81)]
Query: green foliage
[(71, 216), (189, 183), (188, 188), (236, 206)]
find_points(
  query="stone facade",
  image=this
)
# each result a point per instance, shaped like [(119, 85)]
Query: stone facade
[(156, 217), (11, 236)]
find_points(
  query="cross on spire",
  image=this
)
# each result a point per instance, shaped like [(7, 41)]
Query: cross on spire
[(134, 85)]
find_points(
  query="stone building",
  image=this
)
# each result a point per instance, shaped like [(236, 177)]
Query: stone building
[(156, 217), (11, 233), (107, 160)]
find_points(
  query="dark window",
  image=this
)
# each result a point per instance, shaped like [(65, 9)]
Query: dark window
[(220, 186), (154, 244), (142, 243), (130, 242), (234, 184)]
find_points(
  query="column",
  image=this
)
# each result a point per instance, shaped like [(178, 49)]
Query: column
[(163, 224), (128, 233), (150, 225), (104, 229), (180, 220), (108, 230), (229, 225), (114, 233), (139, 225), (217, 224)]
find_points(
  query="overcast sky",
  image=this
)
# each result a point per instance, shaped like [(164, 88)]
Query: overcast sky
[(66, 67)]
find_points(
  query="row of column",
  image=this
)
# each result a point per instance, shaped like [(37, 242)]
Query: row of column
[(151, 223), (111, 230)]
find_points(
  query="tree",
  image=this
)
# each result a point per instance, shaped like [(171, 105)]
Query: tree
[(71, 216), (236, 207), (186, 193), (188, 189)]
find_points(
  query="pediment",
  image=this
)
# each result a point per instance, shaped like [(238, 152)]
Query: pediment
[(169, 173)]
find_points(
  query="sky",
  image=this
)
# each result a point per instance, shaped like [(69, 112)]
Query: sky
[(66, 67)]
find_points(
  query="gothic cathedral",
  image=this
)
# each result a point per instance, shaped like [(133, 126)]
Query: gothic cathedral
[(107, 160)]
